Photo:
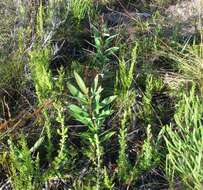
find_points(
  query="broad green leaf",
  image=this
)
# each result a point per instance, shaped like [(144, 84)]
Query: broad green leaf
[(80, 114), (76, 93), (81, 83), (84, 120), (105, 113), (107, 101), (76, 109)]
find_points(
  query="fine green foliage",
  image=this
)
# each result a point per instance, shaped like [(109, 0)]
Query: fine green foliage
[(184, 143), (62, 156), (123, 162), (41, 76), (124, 77), (153, 85), (45, 90), (147, 100), (39, 63), (80, 8), (26, 166), (149, 155), (192, 65), (7, 23), (10, 71), (108, 182), (126, 98), (131, 118), (25, 172), (40, 23)]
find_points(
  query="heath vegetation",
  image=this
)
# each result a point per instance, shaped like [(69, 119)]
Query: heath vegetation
[(101, 95)]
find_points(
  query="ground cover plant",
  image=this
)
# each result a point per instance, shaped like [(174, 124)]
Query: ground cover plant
[(101, 95)]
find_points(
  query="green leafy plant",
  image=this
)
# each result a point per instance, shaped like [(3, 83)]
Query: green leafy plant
[(148, 157), (104, 48), (92, 112)]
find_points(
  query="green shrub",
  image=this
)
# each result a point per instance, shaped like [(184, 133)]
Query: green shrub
[(24, 163), (25, 171), (104, 47), (92, 112), (41, 76), (125, 100)]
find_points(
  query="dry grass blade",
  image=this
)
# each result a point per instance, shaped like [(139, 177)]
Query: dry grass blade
[(22, 118)]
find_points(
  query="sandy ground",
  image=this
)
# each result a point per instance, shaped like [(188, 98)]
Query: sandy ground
[(187, 14)]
